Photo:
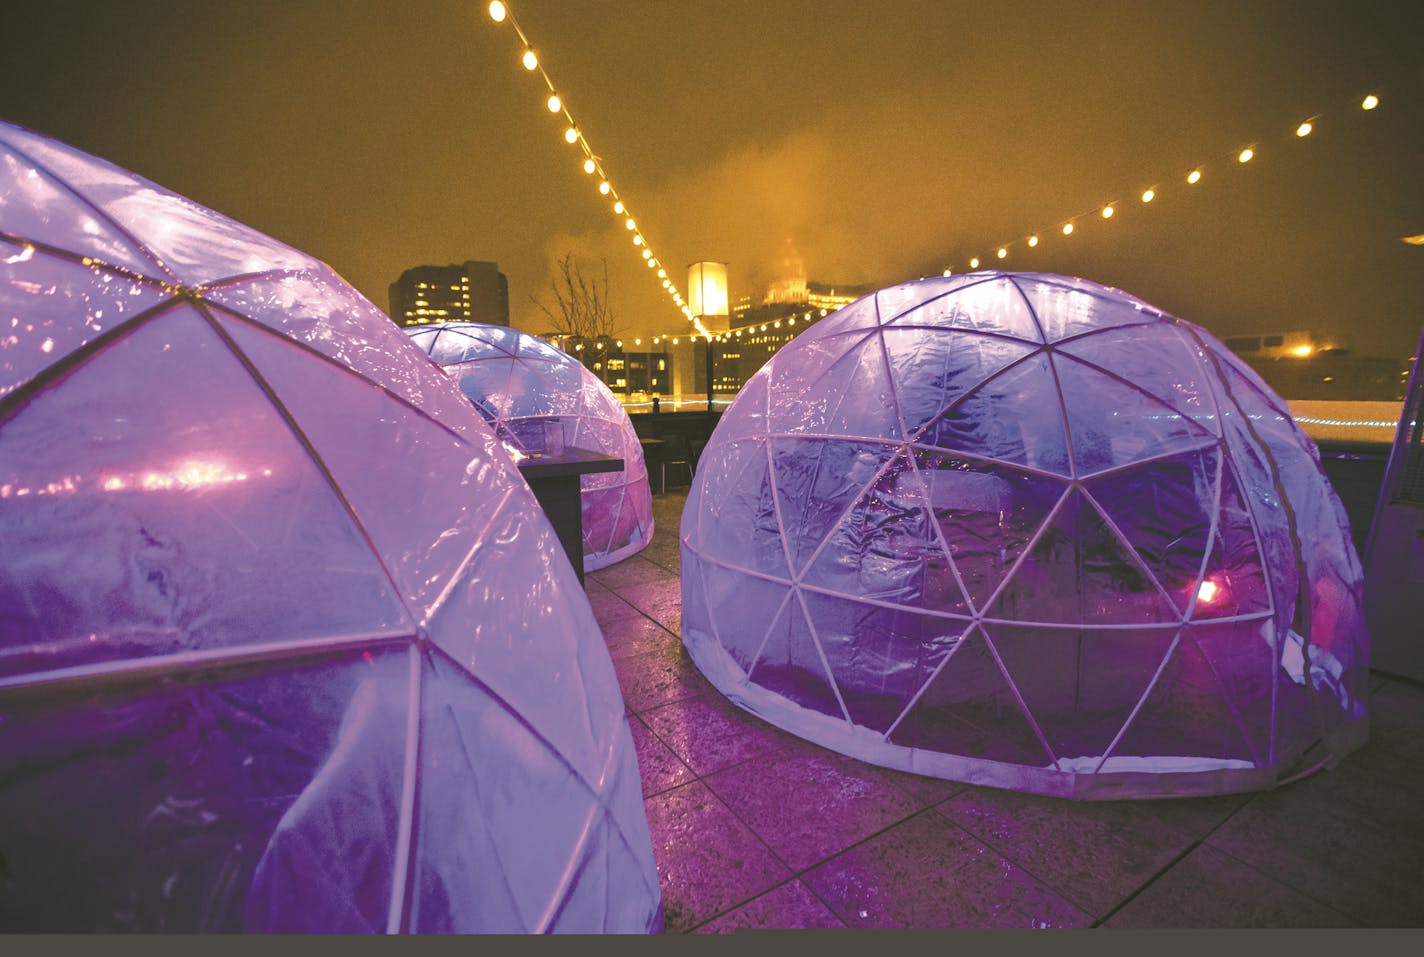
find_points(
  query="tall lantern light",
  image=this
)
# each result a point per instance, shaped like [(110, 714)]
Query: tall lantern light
[(707, 299)]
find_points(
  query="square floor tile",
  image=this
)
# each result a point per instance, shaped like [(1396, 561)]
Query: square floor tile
[(638, 635), (1094, 853), (657, 677), (659, 600), (790, 906), (1331, 854), (709, 733), (807, 803), (928, 872), (633, 570), (708, 861), (1210, 889), (658, 767)]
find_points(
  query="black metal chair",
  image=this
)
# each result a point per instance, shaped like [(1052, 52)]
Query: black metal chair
[(675, 452)]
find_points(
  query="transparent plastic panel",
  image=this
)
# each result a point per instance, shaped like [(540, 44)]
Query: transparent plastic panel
[(738, 525), (502, 814), (1243, 660), (969, 709), (321, 311), (1159, 359), (991, 304), (747, 607), (518, 621), (886, 547), (1186, 722), (423, 499), (792, 662), (35, 206), (206, 803), (153, 501), (1164, 509), (1081, 685), (850, 394), (50, 308), (931, 369), (748, 414), (987, 515), (880, 657), (1113, 423), (1067, 307), (1079, 572), (915, 297), (860, 315), (1015, 417), (818, 484), (1234, 580)]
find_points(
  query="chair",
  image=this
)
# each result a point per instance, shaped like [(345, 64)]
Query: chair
[(675, 452)]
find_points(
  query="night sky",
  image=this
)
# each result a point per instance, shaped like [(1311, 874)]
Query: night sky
[(887, 140)]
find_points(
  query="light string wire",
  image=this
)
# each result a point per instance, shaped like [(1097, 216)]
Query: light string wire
[(500, 13), (1187, 177)]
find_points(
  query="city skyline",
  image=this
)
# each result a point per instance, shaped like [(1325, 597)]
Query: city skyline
[(887, 141)]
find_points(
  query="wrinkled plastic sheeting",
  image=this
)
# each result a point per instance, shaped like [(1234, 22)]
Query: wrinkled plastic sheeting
[(286, 643), (524, 386), (1027, 531)]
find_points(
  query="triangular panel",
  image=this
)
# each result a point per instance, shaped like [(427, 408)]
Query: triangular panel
[(422, 494), (1164, 509), (40, 208), (846, 392), (1185, 723), (1014, 417), (817, 482), (1112, 423), (791, 664), (64, 305), (201, 520), (742, 607), (1080, 685), (1080, 573), (1066, 307), (880, 656), (1234, 582), (969, 709), (886, 547), (738, 525), (1158, 359), (932, 368), (984, 304)]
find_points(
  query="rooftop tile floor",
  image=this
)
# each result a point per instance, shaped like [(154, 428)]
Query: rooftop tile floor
[(755, 828)]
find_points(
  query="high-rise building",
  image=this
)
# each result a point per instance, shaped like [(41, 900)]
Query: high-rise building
[(465, 292)]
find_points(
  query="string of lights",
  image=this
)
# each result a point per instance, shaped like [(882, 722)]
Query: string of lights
[(1187, 177), (500, 12)]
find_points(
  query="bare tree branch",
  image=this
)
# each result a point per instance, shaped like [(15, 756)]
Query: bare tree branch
[(580, 306)]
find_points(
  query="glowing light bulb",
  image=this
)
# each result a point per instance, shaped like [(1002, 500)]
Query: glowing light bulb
[(1067, 229), (618, 207), (1369, 102), (497, 11), (662, 273), (1245, 155), (530, 60), (1304, 129), (629, 223), (1032, 241), (1148, 195), (1107, 212), (946, 272), (570, 135), (1194, 176), (974, 263), (647, 254), (1208, 592), (555, 104), (666, 283), (589, 166), (637, 240)]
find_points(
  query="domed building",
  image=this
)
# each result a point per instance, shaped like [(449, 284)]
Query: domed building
[(1027, 531)]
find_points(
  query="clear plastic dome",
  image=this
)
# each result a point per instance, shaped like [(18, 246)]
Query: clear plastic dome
[(286, 643), (523, 386), (1027, 531)]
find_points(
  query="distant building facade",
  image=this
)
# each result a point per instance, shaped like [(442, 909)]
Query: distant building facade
[(464, 292)]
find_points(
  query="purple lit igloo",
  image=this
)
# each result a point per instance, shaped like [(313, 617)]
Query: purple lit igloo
[(524, 386), (285, 641), (1027, 531)]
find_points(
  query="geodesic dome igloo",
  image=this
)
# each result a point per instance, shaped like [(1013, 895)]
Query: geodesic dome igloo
[(1026, 531), (285, 641), (522, 386)]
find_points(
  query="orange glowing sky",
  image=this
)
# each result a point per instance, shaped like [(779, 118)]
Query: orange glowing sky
[(889, 139)]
